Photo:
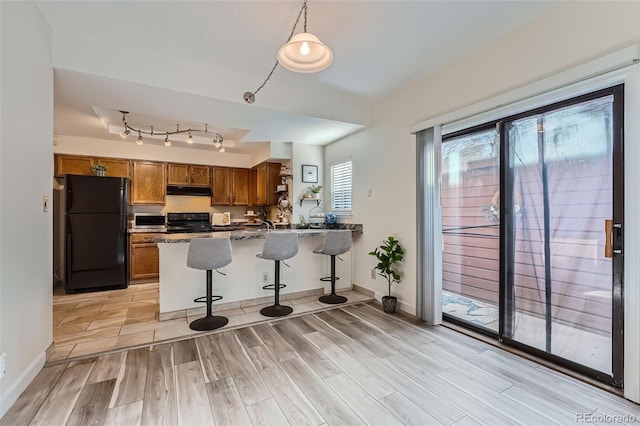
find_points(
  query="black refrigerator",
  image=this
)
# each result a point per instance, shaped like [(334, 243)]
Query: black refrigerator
[(96, 247)]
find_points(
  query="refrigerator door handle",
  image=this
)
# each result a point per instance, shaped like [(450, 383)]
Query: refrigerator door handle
[(123, 206)]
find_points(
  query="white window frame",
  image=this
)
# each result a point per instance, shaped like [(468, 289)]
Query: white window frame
[(341, 211)]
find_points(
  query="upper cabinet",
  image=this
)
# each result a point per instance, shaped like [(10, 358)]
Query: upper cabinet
[(230, 186), (116, 167), (177, 174), (149, 179), (200, 175), (188, 174), (73, 165), (149, 183), (81, 165), (265, 178), (240, 187)]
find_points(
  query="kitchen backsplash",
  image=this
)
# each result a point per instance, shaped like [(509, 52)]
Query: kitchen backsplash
[(181, 204)]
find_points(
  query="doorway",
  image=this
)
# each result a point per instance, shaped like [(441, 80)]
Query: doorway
[(526, 255)]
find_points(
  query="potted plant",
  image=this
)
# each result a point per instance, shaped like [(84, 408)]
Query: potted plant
[(314, 191), (389, 254), (99, 169)]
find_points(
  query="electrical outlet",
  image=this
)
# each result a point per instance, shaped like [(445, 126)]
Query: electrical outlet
[(373, 273), (369, 193), (3, 364), (265, 278)]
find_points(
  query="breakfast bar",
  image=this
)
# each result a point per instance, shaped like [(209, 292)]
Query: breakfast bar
[(243, 278)]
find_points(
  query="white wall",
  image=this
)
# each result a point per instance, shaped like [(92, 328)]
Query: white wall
[(384, 154), (25, 176), (312, 155)]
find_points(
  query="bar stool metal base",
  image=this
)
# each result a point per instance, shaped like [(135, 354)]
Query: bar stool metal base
[(332, 299), (276, 311), (208, 323)]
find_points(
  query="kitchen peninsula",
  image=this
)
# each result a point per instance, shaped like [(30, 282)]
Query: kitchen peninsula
[(243, 279)]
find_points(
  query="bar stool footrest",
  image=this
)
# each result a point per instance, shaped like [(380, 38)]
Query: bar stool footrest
[(208, 323), (328, 278), (332, 299), (203, 299), (273, 286)]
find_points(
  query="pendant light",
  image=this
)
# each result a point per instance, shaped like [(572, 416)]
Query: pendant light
[(303, 53)]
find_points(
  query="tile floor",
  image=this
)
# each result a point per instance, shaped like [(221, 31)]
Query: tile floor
[(91, 323)]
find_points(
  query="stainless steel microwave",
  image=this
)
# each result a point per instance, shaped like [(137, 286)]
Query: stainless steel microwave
[(149, 221)]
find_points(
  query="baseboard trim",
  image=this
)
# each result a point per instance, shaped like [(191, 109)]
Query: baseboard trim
[(182, 313), (402, 306), (364, 291), (11, 394), (50, 351)]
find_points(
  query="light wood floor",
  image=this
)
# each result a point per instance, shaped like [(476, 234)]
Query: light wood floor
[(91, 323), (346, 366)]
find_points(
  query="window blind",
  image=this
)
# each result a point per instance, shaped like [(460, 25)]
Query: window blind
[(341, 179)]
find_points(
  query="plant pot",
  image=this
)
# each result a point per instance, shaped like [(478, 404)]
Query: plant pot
[(389, 304)]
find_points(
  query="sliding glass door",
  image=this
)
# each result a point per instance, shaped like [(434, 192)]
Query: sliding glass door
[(532, 231), (471, 227)]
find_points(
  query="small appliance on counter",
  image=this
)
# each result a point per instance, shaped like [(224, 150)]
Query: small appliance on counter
[(221, 219), (152, 222)]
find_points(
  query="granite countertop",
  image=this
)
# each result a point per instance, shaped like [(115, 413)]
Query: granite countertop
[(248, 234), (147, 231)]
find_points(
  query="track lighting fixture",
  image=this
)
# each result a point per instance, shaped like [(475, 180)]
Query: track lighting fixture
[(303, 53), (217, 137)]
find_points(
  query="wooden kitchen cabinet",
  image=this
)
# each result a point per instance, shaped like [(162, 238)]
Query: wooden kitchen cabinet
[(221, 186), (200, 175), (73, 165), (240, 187), (177, 174), (267, 179), (144, 257), (188, 174), (81, 165), (253, 186), (149, 183), (116, 167), (230, 186)]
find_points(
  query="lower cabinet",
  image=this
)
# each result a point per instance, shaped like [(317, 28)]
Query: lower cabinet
[(144, 258)]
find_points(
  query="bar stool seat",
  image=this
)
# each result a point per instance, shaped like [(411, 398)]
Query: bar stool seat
[(278, 246), (335, 243), (208, 254)]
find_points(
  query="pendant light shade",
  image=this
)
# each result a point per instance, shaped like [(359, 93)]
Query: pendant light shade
[(305, 53)]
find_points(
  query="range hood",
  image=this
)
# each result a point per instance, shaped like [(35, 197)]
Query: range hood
[(197, 191)]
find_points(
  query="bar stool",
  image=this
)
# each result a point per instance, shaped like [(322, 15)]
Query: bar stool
[(208, 254), (278, 246), (335, 243)]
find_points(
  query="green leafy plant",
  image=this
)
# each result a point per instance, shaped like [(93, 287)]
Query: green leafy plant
[(389, 254), (315, 188), (99, 167)]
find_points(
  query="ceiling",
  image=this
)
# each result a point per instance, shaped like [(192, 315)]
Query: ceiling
[(191, 61)]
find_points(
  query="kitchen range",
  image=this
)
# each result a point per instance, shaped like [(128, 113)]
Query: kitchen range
[(189, 223)]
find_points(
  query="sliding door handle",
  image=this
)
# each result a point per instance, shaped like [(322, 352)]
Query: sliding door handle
[(608, 243)]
